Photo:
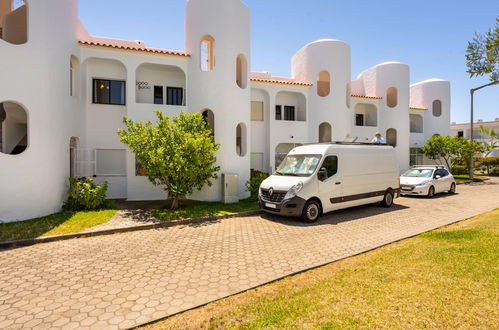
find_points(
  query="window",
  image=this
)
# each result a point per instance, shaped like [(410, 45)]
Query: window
[(366, 114), (289, 112), (209, 118), (391, 97), (415, 156), (73, 76), (175, 96), (256, 111), (241, 139), (256, 161), (391, 137), (323, 84), (278, 112), (109, 92), (416, 123), (241, 71), (359, 120), (139, 169), (331, 165), (325, 132), (14, 130), (207, 58), (437, 108), (460, 134), (158, 95), (441, 172), (110, 162), (14, 22)]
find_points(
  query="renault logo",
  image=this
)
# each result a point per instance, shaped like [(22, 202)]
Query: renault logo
[(271, 192)]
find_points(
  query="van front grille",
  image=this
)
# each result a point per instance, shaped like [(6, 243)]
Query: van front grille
[(277, 196)]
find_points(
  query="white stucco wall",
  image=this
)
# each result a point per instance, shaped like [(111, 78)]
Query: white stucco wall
[(34, 183)]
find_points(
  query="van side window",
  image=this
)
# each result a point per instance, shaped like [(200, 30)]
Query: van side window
[(331, 165)]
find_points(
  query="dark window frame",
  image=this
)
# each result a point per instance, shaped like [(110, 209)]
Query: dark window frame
[(177, 93), (278, 112), (110, 97), (289, 112), (359, 119), (155, 97)]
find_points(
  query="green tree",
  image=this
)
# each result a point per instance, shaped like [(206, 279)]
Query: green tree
[(482, 54), (177, 153), (489, 163), (467, 150), (492, 139), (441, 149)]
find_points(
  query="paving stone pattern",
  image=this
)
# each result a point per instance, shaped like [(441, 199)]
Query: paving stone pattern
[(128, 279)]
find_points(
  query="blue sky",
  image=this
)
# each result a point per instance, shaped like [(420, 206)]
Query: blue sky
[(429, 35)]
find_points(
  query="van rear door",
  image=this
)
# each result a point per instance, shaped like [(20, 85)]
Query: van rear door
[(330, 186)]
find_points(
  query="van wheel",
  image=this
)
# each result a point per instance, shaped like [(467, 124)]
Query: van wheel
[(452, 189), (387, 199), (431, 192), (311, 211)]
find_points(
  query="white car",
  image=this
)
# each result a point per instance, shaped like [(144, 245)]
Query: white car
[(427, 181)]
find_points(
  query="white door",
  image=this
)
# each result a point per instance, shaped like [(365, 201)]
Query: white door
[(330, 188)]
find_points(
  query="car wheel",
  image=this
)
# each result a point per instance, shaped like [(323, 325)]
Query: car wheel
[(431, 192), (387, 199), (452, 189), (311, 211)]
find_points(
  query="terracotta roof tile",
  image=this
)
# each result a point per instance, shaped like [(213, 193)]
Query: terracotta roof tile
[(281, 81), (367, 97), (128, 45), (266, 77)]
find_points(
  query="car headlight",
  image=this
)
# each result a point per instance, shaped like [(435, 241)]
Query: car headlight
[(294, 190), (424, 183)]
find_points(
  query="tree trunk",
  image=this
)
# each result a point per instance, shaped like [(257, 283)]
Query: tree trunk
[(470, 168), (175, 202)]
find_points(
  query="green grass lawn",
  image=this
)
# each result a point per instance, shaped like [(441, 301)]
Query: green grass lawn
[(195, 209), (445, 279), (466, 178), (55, 224)]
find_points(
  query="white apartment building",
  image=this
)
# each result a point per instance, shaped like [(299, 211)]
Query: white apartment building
[(64, 92), (464, 130)]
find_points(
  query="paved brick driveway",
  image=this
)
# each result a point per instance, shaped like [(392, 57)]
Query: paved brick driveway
[(124, 280)]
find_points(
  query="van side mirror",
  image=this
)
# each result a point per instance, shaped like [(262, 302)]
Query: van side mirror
[(322, 175)]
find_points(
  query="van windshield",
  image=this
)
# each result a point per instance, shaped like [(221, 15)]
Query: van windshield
[(298, 165), (419, 173)]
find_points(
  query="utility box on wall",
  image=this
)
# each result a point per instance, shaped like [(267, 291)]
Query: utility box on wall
[(230, 187)]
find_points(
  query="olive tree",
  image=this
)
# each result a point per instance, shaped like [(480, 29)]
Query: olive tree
[(177, 153), (482, 54)]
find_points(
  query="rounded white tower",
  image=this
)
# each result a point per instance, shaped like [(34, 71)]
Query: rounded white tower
[(217, 38), (325, 64), (39, 112)]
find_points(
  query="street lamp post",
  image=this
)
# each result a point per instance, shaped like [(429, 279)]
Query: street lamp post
[(472, 92)]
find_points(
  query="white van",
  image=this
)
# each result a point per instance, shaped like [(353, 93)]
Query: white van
[(319, 178)]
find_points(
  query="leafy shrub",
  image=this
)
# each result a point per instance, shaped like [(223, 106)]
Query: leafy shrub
[(494, 172), (84, 194), (490, 163), (459, 170), (253, 184)]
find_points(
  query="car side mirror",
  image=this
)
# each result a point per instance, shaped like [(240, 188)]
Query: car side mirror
[(437, 176), (322, 175)]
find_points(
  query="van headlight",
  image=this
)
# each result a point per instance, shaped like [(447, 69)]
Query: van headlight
[(424, 183), (293, 190)]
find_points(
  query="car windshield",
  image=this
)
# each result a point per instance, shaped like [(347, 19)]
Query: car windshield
[(419, 173), (298, 165)]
